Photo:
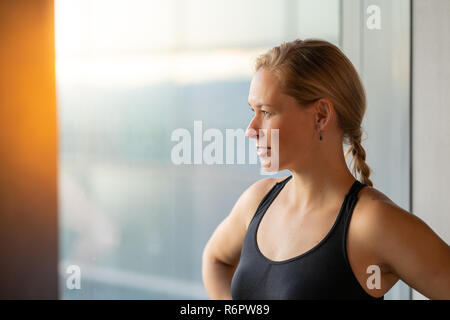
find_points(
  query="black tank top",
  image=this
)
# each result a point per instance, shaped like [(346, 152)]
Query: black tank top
[(322, 272)]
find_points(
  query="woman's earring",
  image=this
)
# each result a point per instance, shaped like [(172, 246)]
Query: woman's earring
[(320, 136)]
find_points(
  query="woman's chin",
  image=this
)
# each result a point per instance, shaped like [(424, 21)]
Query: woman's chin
[(268, 165)]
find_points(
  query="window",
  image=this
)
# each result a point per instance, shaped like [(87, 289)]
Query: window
[(128, 74)]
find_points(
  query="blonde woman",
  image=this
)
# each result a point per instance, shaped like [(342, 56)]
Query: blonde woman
[(318, 233)]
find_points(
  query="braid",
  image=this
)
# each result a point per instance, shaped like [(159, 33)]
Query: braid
[(359, 158)]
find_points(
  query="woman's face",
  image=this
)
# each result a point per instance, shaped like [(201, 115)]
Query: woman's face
[(297, 133)]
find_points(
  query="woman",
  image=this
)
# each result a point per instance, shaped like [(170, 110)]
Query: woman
[(319, 233)]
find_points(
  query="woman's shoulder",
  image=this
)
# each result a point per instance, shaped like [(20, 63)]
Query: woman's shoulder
[(375, 215), (374, 206), (370, 198)]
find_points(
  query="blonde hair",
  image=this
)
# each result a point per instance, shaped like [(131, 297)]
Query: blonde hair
[(312, 69)]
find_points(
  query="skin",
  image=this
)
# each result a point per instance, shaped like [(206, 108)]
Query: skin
[(380, 232)]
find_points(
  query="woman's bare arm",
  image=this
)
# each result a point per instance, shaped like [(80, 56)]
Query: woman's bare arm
[(411, 249)]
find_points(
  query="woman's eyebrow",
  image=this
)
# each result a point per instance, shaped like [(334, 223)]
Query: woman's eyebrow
[(260, 105)]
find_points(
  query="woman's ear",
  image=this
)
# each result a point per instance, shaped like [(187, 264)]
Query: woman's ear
[(323, 112)]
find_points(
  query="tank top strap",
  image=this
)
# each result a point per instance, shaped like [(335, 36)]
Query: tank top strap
[(356, 187), (283, 182), (350, 201), (271, 195)]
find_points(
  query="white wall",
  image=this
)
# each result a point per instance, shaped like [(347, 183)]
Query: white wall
[(431, 115), (382, 58)]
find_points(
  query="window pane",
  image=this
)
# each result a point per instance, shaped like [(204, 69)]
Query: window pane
[(129, 73), (234, 22)]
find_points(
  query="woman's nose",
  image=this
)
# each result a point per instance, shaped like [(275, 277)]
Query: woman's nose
[(252, 129), (254, 132)]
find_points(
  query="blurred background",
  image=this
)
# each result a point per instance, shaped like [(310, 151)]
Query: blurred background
[(126, 74)]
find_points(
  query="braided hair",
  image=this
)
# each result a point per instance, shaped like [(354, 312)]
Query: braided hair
[(312, 69)]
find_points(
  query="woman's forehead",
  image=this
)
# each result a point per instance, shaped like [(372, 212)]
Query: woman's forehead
[(264, 89)]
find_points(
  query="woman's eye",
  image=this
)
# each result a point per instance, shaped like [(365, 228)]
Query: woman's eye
[(265, 113)]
